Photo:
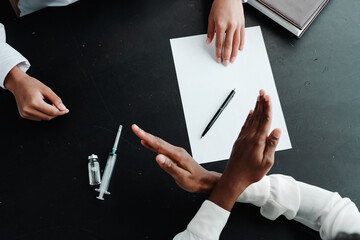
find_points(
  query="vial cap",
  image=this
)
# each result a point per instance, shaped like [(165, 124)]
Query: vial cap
[(92, 156)]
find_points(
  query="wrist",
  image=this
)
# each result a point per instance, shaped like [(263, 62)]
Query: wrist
[(227, 191), (223, 196), (13, 78), (209, 182)]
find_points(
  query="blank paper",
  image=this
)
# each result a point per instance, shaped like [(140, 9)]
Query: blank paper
[(204, 84)]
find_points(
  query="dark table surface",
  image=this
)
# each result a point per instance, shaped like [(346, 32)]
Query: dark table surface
[(111, 63)]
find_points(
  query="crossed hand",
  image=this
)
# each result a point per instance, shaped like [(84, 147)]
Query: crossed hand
[(251, 158)]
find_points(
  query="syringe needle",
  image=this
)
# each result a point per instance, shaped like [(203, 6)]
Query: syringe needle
[(117, 139)]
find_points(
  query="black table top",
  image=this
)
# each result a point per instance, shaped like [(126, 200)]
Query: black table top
[(111, 63)]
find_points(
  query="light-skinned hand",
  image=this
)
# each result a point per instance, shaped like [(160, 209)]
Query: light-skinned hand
[(252, 155), (226, 19), (177, 162), (30, 94)]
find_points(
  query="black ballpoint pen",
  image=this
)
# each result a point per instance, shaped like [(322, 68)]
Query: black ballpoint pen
[(217, 114)]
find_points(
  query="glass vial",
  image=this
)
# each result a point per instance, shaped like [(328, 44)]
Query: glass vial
[(94, 170)]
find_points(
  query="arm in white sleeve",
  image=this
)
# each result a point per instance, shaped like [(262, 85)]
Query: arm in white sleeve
[(315, 207), (9, 58), (207, 224)]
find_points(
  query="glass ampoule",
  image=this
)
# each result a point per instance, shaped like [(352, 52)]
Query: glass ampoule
[(94, 170)]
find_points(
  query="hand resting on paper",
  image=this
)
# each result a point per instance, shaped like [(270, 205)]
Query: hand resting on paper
[(251, 158), (226, 18)]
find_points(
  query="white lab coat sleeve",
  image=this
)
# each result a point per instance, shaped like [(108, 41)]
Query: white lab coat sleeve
[(207, 224), (29, 6), (9, 58), (315, 207)]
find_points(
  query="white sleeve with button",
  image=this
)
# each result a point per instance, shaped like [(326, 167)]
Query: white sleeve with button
[(9, 58)]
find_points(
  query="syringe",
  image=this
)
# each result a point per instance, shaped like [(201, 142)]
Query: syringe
[(110, 163)]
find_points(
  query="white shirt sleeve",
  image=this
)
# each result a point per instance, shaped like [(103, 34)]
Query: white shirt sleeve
[(9, 58), (315, 207), (207, 224), (29, 6)]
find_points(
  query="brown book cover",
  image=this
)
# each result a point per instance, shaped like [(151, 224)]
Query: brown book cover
[(297, 12)]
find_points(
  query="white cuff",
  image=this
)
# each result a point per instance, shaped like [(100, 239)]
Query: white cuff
[(209, 221), (10, 58), (284, 198), (276, 195), (257, 193)]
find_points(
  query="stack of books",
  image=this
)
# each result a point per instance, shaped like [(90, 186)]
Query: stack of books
[(294, 15)]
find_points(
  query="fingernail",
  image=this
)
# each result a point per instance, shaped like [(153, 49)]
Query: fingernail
[(62, 107), (241, 48), (261, 93), (218, 60), (277, 134), (208, 40), (226, 62), (233, 59), (162, 159)]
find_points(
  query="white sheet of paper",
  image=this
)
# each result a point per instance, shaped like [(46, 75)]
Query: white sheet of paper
[(204, 85)]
